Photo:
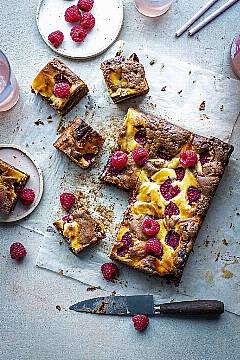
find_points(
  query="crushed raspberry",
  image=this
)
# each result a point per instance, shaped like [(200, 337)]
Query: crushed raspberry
[(67, 201), (27, 196), (85, 5), (122, 251), (150, 226), (88, 157), (66, 219), (204, 157), (127, 239), (154, 247), (141, 136), (188, 158), (60, 78), (140, 322), (140, 156), (72, 14), (17, 251), (163, 154), (78, 33), (109, 271), (171, 209), (168, 191), (119, 160), (172, 239), (56, 38), (61, 90), (180, 173), (87, 21), (193, 194)]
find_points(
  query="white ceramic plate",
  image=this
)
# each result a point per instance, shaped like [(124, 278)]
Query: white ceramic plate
[(22, 160), (109, 19)]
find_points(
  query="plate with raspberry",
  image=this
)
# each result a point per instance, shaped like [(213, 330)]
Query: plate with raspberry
[(21, 183), (79, 29)]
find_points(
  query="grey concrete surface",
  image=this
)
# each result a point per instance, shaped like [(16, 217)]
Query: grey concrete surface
[(31, 326)]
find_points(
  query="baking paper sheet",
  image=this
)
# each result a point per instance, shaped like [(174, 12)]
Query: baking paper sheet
[(177, 90)]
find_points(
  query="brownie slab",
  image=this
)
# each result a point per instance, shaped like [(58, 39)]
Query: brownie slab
[(12, 181), (56, 72), (124, 77), (80, 142)]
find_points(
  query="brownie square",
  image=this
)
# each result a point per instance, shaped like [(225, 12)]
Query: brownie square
[(124, 77), (57, 72), (80, 142), (12, 181)]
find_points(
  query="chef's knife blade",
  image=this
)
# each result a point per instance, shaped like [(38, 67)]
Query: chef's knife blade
[(144, 304)]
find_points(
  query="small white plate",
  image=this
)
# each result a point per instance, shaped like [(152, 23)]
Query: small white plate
[(109, 19), (22, 160)]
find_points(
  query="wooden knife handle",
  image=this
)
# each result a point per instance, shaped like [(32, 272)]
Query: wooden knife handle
[(198, 307)]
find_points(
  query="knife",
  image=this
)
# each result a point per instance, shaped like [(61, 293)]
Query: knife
[(144, 304)]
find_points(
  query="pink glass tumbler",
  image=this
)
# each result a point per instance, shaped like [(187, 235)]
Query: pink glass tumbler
[(235, 55), (9, 89)]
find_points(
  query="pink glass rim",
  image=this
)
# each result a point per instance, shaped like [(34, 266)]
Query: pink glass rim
[(4, 57)]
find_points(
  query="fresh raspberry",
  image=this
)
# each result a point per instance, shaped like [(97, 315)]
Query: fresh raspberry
[(109, 271), (168, 191), (204, 157), (127, 239), (193, 194), (17, 251), (171, 209), (140, 156), (78, 34), (180, 173), (87, 21), (67, 201), (188, 158), (140, 322), (85, 5), (27, 196), (56, 38), (172, 239), (119, 160), (150, 226), (154, 247), (72, 14), (61, 90), (141, 136)]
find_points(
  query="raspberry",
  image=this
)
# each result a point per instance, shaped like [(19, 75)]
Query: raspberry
[(88, 21), (122, 251), (72, 14), (150, 226), (88, 157), (56, 38), (109, 271), (78, 34), (154, 247), (17, 251), (180, 173), (67, 201), (140, 156), (140, 322), (172, 239), (85, 5), (66, 219), (171, 209), (141, 136), (27, 196), (168, 191), (193, 194), (188, 158), (61, 90), (119, 160), (204, 157), (127, 239)]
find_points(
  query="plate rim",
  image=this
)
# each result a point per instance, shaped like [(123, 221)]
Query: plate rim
[(56, 50), (41, 185)]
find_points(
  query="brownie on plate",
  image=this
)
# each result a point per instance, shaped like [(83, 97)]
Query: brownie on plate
[(59, 86), (124, 77), (12, 181), (80, 142)]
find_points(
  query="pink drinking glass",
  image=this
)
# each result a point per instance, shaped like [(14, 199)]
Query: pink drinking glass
[(9, 89), (235, 55), (153, 8)]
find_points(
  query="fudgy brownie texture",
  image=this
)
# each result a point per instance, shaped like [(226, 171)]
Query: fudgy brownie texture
[(124, 77), (56, 72), (80, 142), (12, 181)]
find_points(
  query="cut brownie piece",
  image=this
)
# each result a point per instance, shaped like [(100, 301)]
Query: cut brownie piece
[(54, 73), (124, 77), (12, 181), (80, 142), (80, 230)]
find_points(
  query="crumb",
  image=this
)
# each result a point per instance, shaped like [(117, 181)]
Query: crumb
[(204, 117), (39, 122), (60, 272), (202, 106), (152, 62), (58, 307), (194, 81), (162, 66), (225, 242), (179, 92), (206, 242), (221, 108), (114, 293), (189, 73), (93, 288), (217, 257), (163, 88)]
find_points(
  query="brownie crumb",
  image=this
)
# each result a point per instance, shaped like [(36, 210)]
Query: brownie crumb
[(189, 73), (202, 106), (206, 242), (217, 257), (58, 307), (93, 288), (39, 122), (225, 242), (221, 108), (152, 62), (163, 88), (179, 92), (60, 272), (114, 293)]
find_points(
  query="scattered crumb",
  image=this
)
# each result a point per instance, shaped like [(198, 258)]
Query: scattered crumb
[(152, 62), (179, 92), (209, 277), (221, 108), (58, 307), (206, 242), (60, 272), (225, 242), (163, 88), (189, 73), (202, 106), (114, 293), (194, 81), (49, 119), (39, 122), (204, 117), (93, 288), (217, 257), (226, 274), (162, 66)]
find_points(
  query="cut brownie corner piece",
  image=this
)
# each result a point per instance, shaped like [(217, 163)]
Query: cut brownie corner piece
[(80, 142), (80, 230), (124, 77), (53, 74)]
